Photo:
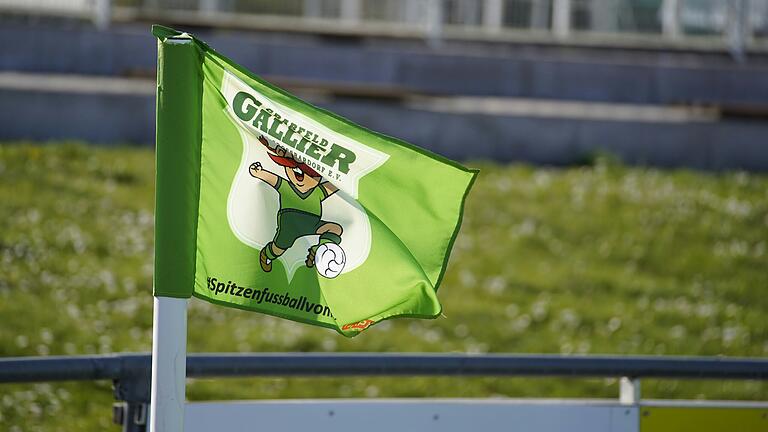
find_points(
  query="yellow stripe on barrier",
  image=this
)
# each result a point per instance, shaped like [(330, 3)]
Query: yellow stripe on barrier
[(703, 419)]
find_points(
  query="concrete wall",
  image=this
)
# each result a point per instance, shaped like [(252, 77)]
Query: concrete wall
[(111, 118), (608, 75), (93, 117), (651, 77)]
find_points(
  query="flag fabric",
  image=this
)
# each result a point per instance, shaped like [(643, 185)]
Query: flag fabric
[(269, 204)]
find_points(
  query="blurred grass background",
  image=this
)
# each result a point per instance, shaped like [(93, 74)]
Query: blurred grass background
[(599, 258)]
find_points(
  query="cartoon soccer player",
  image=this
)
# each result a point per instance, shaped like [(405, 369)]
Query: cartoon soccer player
[(300, 211)]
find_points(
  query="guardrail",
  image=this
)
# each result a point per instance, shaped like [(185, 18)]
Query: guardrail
[(118, 366), (131, 372)]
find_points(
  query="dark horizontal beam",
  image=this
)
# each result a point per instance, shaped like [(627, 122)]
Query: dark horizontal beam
[(72, 368), (131, 366), (474, 365)]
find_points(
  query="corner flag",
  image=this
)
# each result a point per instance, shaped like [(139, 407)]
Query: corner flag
[(269, 204)]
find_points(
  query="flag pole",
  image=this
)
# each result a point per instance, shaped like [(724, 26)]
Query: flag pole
[(177, 177), (169, 364)]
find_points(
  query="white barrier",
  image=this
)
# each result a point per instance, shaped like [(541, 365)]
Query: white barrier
[(388, 415), (477, 415)]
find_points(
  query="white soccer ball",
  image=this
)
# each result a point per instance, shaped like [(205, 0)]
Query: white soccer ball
[(330, 260)]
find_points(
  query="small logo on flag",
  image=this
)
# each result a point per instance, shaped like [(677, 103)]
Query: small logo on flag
[(360, 325)]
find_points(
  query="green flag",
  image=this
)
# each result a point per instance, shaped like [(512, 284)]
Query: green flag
[(269, 204)]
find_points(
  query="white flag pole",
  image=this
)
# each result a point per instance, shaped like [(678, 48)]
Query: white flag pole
[(177, 154), (169, 365)]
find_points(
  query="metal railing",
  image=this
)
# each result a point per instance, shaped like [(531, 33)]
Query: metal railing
[(118, 366), (130, 373)]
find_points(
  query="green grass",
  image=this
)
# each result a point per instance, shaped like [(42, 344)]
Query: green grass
[(594, 259)]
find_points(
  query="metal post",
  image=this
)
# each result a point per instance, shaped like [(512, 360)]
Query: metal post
[(561, 17), (670, 18), (351, 11), (434, 21), (604, 15), (467, 12), (539, 9), (208, 5), (738, 30), (131, 416), (411, 13), (312, 9), (493, 12), (629, 391), (102, 14), (169, 364)]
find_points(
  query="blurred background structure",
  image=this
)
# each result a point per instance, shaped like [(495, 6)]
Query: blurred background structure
[(657, 82)]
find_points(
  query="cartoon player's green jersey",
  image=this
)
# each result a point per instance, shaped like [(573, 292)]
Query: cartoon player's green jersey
[(299, 213), (292, 199)]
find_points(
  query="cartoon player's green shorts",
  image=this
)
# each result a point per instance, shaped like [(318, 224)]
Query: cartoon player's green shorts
[(292, 224)]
